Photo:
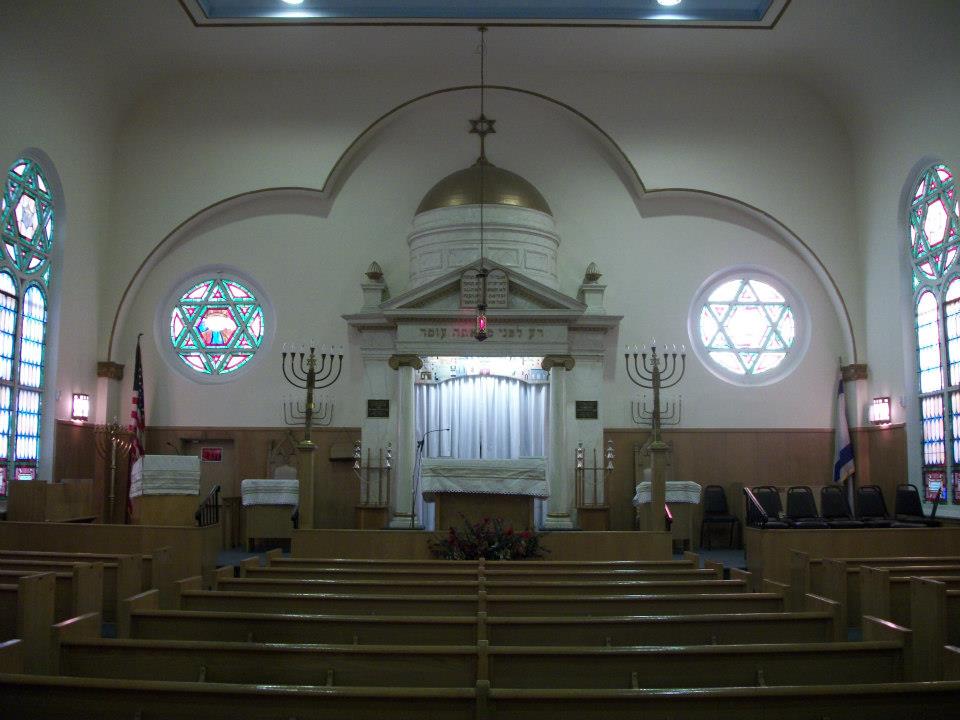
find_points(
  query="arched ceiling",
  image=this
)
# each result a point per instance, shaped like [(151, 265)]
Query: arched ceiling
[(845, 50)]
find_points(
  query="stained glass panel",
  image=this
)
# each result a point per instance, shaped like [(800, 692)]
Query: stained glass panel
[(26, 238), (931, 410), (216, 326), (928, 343), (26, 218), (747, 326), (934, 222)]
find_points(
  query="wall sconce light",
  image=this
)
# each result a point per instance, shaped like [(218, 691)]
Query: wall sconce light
[(80, 407), (880, 411)]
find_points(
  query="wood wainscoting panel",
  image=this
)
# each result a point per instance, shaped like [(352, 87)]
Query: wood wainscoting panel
[(336, 487), (734, 458)]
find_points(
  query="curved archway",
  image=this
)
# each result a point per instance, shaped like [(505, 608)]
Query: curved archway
[(649, 202)]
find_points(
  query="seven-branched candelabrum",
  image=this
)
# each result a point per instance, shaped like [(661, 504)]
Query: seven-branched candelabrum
[(655, 372), (310, 372), (112, 439)]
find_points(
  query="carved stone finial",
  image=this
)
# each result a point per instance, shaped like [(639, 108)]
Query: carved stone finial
[(592, 274), (375, 272)]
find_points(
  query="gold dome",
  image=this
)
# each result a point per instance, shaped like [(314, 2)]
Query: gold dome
[(500, 187)]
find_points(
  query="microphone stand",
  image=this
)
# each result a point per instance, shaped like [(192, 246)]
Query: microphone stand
[(416, 474)]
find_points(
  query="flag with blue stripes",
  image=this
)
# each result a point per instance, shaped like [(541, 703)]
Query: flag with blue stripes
[(843, 460)]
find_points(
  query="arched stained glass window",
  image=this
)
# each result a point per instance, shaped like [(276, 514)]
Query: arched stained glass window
[(27, 230), (217, 326), (934, 239), (744, 327)]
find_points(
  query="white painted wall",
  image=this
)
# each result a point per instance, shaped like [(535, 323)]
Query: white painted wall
[(310, 257)]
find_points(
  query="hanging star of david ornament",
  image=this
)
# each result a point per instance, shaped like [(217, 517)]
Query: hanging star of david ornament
[(482, 126)]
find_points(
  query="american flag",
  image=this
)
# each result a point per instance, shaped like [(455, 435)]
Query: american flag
[(136, 422)]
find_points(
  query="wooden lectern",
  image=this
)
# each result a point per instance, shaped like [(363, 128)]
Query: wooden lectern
[(165, 489)]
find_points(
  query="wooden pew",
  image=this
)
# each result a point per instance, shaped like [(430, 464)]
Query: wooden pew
[(885, 592), (157, 567), (27, 613), (935, 622), (193, 598), (462, 665), (471, 587), (713, 629), (76, 592), (839, 578), (11, 656), (121, 577), (607, 605), (250, 568), (697, 666), (893, 701), (145, 620), (449, 666), (43, 697), (275, 559)]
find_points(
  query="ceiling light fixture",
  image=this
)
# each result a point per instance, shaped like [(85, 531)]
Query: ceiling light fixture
[(300, 2), (668, 3), (482, 127)]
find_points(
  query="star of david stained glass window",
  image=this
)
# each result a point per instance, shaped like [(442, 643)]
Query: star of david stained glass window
[(26, 240), (745, 327), (217, 326), (933, 223)]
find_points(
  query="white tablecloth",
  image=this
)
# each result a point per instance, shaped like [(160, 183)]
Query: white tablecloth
[(678, 491), (524, 476), (273, 491), (165, 475)]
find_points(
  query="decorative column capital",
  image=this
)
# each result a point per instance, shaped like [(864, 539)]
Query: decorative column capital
[(398, 361), (551, 361), (109, 370), (855, 371)]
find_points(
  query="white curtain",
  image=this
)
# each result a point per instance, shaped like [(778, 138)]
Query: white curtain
[(489, 417)]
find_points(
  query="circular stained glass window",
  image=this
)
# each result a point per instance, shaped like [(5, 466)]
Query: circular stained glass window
[(216, 326), (748, 327)]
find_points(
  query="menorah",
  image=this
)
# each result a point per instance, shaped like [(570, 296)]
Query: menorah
[(295, 413), (110, 439), (310, 372), (656, 372)]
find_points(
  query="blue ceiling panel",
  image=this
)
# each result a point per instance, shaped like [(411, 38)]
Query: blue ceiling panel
[(652, 12)]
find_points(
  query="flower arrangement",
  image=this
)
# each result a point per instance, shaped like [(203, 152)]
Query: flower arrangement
[(487, 539)]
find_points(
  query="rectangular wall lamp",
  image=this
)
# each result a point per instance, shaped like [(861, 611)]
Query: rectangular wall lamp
[(80, 407), (880, 411)]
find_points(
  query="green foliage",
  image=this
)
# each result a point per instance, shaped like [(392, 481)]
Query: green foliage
[(487, 539)]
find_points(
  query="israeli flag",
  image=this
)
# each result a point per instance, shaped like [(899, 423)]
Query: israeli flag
[(843, 462)]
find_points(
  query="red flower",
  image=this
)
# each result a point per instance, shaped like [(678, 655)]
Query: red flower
[(525, 534)]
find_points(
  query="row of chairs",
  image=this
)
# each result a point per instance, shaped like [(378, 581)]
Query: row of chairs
[(764, 508)]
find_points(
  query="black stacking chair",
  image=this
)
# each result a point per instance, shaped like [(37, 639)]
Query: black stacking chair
[(769, 500), (802, 509), (834, 508), (907, 507), (873, 510), (716, 512)]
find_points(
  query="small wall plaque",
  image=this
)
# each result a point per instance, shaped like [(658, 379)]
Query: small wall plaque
[(378, 408), (586, 409)]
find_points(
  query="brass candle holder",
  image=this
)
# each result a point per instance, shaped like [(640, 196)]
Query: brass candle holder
[(310, 372)]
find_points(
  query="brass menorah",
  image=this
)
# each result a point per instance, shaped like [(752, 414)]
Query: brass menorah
[(655, 372), (310, 372), (112, 439)]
